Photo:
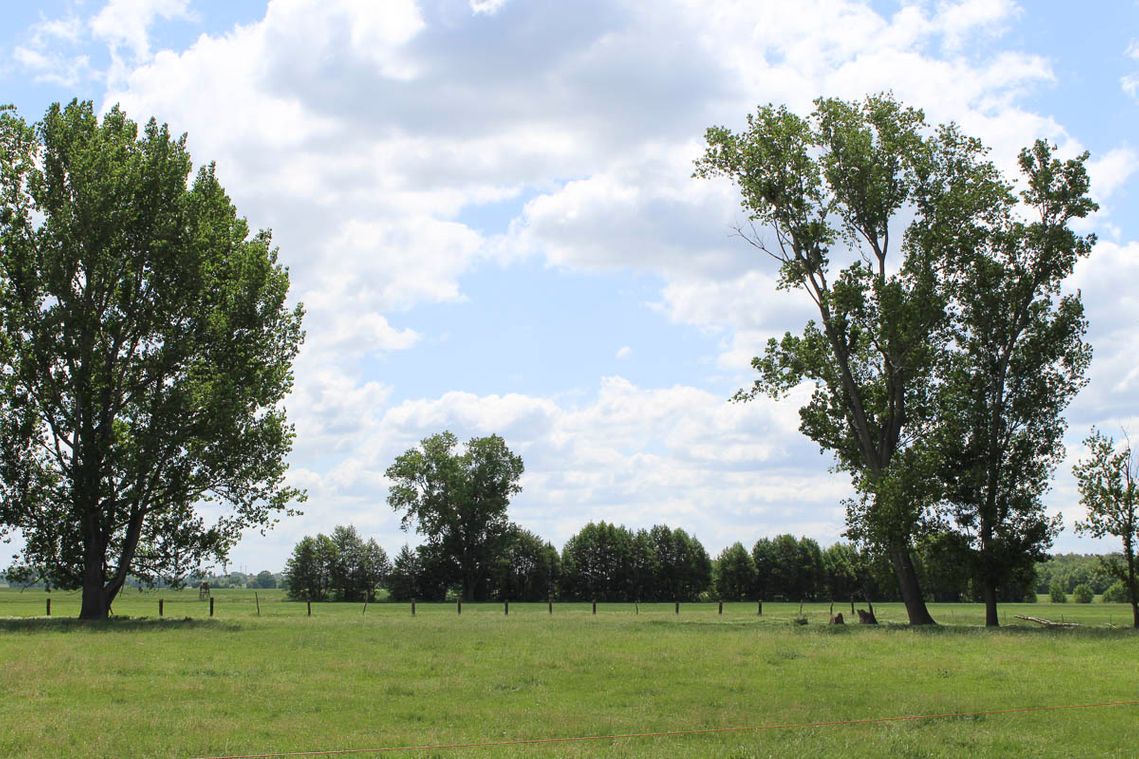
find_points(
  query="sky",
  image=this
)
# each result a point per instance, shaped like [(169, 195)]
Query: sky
[(487, 208)]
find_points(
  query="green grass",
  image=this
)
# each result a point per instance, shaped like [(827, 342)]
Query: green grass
[(186, 685)]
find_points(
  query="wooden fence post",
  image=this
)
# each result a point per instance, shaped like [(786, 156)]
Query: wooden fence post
[(550, 604), (257, 601), (160, 607), (636, 608), (721, 607), (459, 605), (211, 606), (365, 611), (49, 606), (506, 607), (308, 603), (413, 607), (759, 607), (677, 607), (595, 606)]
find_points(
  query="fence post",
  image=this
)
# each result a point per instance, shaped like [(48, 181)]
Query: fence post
[(852, 607), (636, 608), (721, 607), (211, 606), (759, 607), (160, 607), (506, 607), (677, 607), (459, 605), (49, 606), (595, 606), (550, 603), (257, 601), (365, 610), (308, 603), (413, 607)]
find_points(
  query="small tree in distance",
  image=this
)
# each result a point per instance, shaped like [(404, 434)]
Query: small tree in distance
[(1108, 480)]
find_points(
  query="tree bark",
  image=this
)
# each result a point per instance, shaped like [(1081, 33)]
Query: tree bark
[(95, 605), (908, 583), (989, 592)]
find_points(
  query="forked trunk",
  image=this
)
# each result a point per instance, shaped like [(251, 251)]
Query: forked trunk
[(910, 586)]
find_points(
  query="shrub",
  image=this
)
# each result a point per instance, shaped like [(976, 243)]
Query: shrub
[(1116, 593), (1056, 593), (1083, 593)]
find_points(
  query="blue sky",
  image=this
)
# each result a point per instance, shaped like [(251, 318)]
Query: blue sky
[(488, 211)]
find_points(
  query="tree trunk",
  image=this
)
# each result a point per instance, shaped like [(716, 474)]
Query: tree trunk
[(910, 586), (989, 592), (95, 605), (1135, 614)]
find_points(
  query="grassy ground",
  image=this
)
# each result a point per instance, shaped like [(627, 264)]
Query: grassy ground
[(186, 685)]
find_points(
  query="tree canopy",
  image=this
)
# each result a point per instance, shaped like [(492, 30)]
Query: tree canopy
[(457, 501), (146, 346), (941, 367), (836, 186), (1109, 490)]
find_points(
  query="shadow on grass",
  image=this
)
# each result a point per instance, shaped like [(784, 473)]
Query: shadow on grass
[(113, 625)]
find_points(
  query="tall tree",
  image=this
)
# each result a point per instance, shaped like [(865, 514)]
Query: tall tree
[(458, 501), (146, 349), (1017, 359), (840, 183), (1109, 490)]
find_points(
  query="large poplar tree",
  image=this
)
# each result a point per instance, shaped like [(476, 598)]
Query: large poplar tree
[(145, 348), (1016, 360), (827, 196)]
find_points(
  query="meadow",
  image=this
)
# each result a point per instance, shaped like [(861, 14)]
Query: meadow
[(350, 678)]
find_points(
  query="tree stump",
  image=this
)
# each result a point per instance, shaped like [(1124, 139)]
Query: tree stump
[(866, 617), (836, 619)]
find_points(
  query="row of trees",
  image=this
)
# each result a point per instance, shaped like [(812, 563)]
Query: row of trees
[(456, 497), (608, 562), (338, 567)]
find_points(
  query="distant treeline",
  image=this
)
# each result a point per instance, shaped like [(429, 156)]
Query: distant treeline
[(608, 562)]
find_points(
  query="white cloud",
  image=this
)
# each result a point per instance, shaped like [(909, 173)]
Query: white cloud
[(49, 53), (363, 133), (489, 7), (623, 353), (1111, 171)]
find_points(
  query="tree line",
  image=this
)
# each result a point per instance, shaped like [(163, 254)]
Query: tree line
[(610, 562)]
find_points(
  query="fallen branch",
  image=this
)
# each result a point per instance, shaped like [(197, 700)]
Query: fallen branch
[(1048, 622)]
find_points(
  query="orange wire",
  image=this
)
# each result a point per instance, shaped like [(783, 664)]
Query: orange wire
[(674, 733)]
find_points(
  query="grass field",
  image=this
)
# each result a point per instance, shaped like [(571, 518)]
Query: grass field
[(187, 685)]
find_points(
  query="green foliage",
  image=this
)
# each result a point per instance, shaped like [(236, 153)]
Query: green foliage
[(608, 562), (830, 184), (1108, 480), (733, 574), (1056, 593), (1083, 594), (339, 567), (457, 501), (1116, 593), (1015, 361), (528, 568), (146, 349), (265, 579)]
